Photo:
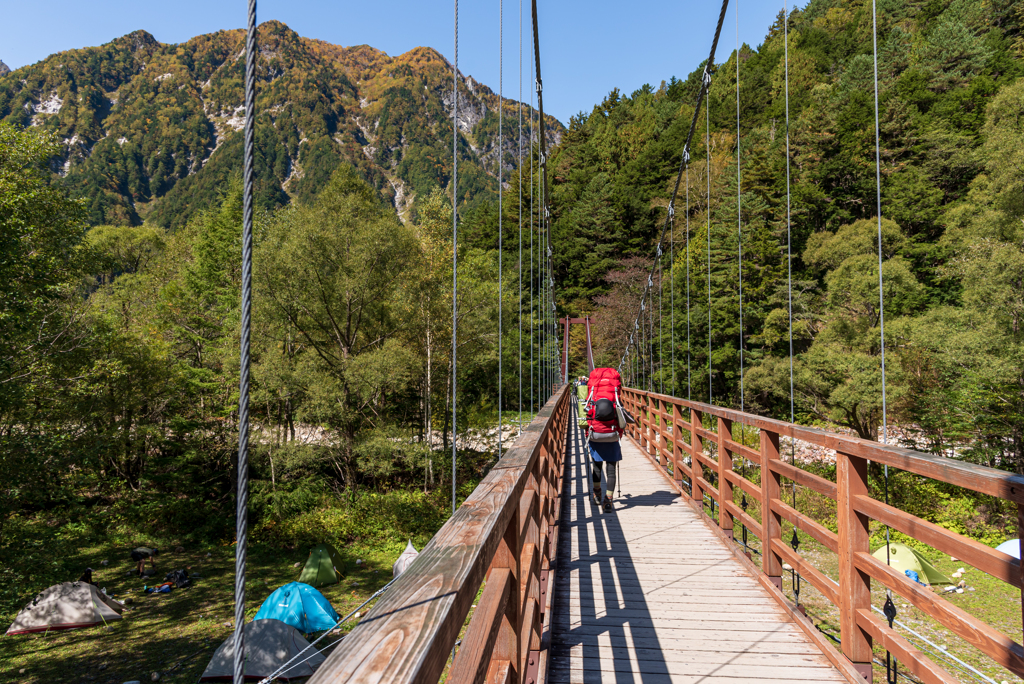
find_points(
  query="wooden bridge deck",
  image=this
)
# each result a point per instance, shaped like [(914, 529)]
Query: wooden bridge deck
[(648, 593)]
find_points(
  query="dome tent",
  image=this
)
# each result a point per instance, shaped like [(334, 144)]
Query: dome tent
[(322, 566), (70, 605), (300, 606), (1010, 547), (903, 558), (405, 560), (269, 644)]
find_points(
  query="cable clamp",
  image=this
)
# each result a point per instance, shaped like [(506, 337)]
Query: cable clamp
[(543, 159), (547, 215), (671, 210), (539, 86), (650, 278), (636, 325), (707, 75), (686, 154), (659, 251), (549, 252), (643, 305)]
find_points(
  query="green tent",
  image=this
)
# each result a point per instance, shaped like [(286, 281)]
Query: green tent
[(322, 566), (903, 558)]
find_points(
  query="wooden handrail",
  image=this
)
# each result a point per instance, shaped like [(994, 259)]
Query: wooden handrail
[(505, 532), (857, 568)]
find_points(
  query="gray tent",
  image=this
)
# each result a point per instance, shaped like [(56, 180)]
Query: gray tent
[(269, 644), (66, 606)]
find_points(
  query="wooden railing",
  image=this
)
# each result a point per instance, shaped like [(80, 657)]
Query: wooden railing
[(506, 532), (664, 421)]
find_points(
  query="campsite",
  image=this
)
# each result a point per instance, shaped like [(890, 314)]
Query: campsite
[(176, 635)]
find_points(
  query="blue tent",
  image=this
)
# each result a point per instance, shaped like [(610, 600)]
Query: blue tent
[(300, 606), (1010, 546)]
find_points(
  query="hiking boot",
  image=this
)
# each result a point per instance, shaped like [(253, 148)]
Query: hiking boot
[(608, 504), (597, 493)]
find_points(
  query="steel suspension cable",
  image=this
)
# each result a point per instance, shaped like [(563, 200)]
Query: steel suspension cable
[(533, 319), (689, 387), (889, 609), (519, 170), (707, 207), (685, 157), (672, 295), (455, 247), (739, 200), (795, 541), (501, 232), (242, 496)]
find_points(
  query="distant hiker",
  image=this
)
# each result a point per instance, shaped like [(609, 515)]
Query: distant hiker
[(86, 576), (606, 422), (140, 554), (581, 394)]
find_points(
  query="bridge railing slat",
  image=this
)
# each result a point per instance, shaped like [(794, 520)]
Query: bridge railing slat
[(662, 422), (505, 532)]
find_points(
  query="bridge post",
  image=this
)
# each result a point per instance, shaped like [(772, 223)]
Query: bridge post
[(771, 522), (696, 447), (854, 585), (725, 519), (677, 449)]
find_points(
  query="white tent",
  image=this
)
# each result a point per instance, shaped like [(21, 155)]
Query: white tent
[(405, 560), (269, 644), (66, 606)]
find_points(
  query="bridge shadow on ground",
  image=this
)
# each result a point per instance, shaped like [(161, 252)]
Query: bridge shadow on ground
[(602, 625)]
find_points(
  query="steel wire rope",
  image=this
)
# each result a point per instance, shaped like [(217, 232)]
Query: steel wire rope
[(795, 541), (889, 609), (739, 200), (533, 318), (501, 232), (242, 496), (341, 621), (684, 159), (707, 209), (455, 247), (739, 252), (519, 172), (672, 297), (661, 325), (689, 346)]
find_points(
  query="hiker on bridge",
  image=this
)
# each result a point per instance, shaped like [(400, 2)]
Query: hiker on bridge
[(606, 422)]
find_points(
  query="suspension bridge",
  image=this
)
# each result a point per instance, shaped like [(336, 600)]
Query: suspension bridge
[(685, 579)]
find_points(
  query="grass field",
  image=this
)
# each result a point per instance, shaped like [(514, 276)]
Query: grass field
[(175, 634)]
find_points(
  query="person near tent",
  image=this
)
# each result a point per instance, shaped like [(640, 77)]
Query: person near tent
[(606, 422), (140, 554)]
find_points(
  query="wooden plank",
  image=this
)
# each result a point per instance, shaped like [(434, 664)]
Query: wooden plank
[(762, 672), (771, 523), (805, 479), (804, 523), (986, 639), (999, 483), (744, 518), (823, 583), (741, 450), (694, 648), (854, 586), (408, 634), (565, 675), (996, 563), (910, 658), (744, 484), (474, 656)]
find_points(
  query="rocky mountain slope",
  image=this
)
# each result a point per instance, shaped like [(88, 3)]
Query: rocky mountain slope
[(153, 130)]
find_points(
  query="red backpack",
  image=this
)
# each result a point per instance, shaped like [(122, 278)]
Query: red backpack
[(604, 383)]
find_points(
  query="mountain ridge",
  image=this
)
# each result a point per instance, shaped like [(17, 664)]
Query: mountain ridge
[(153, 130)]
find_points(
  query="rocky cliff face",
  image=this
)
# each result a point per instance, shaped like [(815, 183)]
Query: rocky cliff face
[(4, 69), (154, 130)]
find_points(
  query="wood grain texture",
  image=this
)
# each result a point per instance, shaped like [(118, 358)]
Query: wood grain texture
[(650, 593), (986, 639), (909, 657), (1000, 483), (996, 563), (409, 633)]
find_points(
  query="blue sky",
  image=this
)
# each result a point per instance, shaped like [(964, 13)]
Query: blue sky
[(587, 47)]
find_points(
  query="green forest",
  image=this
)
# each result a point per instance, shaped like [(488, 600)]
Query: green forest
[(121, 223), (951, 104)]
